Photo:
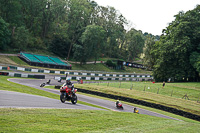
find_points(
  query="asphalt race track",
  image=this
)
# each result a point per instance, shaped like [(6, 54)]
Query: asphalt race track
[(10, 99), (25, 100)]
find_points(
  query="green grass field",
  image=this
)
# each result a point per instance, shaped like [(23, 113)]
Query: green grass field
[(150, 95), (177, 90), (75, 121)]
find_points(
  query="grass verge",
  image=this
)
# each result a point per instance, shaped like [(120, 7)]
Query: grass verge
[(73, 121), (17, 60)]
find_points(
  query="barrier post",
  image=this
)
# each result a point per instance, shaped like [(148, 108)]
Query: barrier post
[(144, 88), (131, 87), (120, 85), (158, 91), (171, 93)]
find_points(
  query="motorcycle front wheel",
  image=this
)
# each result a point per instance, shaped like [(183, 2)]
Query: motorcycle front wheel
[(62, 97)]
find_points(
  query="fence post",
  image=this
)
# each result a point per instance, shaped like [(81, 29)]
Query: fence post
[(144, 88), (171, 93), (108, 84), (98, 83), (131, 87), (158, 91), (120, 85), (198, 99)]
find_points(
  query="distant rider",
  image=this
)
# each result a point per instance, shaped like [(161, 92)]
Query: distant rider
[(117, 103), (135, 110)]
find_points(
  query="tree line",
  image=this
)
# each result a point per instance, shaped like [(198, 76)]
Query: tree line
[(176, 55), (78, 29), (81, 30)]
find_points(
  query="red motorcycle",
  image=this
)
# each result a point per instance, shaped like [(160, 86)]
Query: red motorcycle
[(68, 94), (119, 105)]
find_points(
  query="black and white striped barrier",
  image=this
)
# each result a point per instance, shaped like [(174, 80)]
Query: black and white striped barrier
[(103, 78), (23, 75), (85, 74)]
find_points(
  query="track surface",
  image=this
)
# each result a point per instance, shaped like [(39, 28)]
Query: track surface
[(35, 83), (10, 99)]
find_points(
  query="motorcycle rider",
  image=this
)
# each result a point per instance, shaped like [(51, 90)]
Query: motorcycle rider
[(135, 110), (117, 102), (68, 82)]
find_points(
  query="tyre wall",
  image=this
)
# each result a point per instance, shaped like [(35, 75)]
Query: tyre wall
[(144, 103)]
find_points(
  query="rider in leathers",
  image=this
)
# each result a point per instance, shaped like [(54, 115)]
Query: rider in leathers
[(68, 82)]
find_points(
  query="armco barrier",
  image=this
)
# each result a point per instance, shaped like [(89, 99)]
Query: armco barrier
[(144, 103), (12, 74)]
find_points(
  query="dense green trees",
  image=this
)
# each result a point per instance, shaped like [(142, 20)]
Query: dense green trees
[(4, 34), (135, 44), (93, 39), (62, 27), (149, 53), (178, 51)]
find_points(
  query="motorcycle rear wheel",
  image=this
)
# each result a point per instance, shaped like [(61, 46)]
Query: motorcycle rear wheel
[(74, 99)]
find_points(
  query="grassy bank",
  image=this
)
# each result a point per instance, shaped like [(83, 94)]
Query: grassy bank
[(163, 97), (18, 60), (73, 121), (102, 67), (177, 90)]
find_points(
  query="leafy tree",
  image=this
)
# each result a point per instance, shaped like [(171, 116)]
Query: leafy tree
[(135, 44), (60, 42), (178, 49), (78, 12), (10, 11), (79, 54), (59, 45), (93, 39), (4, 34), (195, 60), (149, 58), (22, 39)]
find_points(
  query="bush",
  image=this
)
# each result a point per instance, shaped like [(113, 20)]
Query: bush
[(110, 63)]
